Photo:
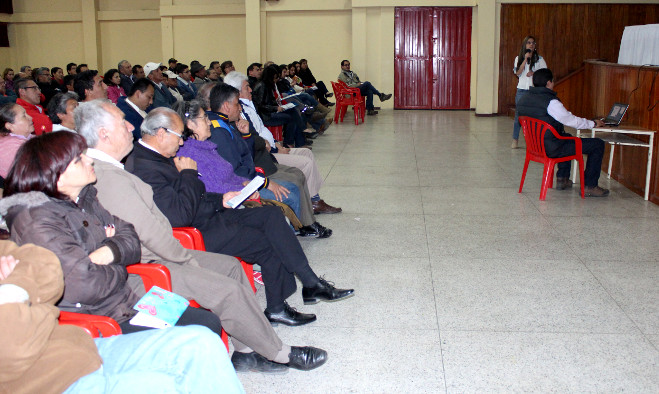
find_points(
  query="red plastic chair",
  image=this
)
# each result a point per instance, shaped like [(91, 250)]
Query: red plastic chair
[(534, 133), (346, 97), (95, 325), (277, 132), (191, 238)]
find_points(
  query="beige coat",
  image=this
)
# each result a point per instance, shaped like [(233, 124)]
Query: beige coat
[(38, 355)]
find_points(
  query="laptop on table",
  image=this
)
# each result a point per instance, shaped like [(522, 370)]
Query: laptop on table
[(615, 115)]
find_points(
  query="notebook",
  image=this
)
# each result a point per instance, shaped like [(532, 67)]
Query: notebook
[(615, 115)]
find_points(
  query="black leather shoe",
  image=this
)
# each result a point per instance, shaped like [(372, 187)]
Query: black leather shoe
[(324, 291), (307, 231), (290, 317), (254, 362), (306, 358), (323, 232), (563, 183)]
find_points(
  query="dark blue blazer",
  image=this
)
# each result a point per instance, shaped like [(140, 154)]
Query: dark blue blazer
[(132, 116)]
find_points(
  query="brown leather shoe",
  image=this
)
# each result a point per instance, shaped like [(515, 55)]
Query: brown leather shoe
[(563, 183), (595, 191), (321, 206)]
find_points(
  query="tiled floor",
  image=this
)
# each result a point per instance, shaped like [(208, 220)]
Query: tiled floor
[(464, 285)]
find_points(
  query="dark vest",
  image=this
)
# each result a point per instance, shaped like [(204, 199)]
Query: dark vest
[(534, 104)]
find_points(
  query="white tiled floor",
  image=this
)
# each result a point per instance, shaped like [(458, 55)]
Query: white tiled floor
[(464, 285)]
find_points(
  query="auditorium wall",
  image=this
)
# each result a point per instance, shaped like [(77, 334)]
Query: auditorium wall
[(102, 32)]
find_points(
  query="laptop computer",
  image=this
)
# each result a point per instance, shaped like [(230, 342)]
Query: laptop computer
[(615, 115)]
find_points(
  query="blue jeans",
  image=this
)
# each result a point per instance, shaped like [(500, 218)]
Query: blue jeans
[(293, 199), (368, 90), (516, 125), (188, 359)]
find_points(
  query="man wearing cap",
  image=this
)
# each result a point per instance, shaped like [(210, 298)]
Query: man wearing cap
[(199, 73), (162, 97), (170, 81)]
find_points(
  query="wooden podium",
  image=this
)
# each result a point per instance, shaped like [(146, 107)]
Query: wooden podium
[(592, 90)]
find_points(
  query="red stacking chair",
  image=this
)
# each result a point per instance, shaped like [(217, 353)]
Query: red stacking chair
[(534, 133), (277, 132), (345, 97)]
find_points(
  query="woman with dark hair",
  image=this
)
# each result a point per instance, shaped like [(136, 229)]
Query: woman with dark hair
[(57, 82), (8, 76), (112, 79), (273, 114), (526, 63), (49, 201), (15, 128), (309, 80)]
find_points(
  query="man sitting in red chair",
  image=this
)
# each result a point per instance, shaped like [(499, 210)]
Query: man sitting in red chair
[(542, 103)]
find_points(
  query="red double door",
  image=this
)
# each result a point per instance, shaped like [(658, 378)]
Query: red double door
[(432, 62)]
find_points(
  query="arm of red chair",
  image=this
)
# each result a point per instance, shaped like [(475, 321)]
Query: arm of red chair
[(93, 324), (190, 238), (152, 275)]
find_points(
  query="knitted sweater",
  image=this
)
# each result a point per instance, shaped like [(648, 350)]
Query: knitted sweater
[(216, 173)]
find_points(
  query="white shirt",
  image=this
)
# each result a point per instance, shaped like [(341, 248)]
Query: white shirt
[(263, 131), (102, 156), (557, 111), (524, 81), (59, 127), (136, 108), (144, 144)]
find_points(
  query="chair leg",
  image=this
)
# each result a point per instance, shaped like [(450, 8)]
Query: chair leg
[(526, 167), (337, 109), (355, 109), (546, 180), (581, 180)]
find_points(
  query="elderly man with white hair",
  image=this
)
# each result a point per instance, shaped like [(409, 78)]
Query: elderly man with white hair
[(301, 158)]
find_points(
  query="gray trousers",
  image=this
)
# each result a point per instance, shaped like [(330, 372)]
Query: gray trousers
[(220, 284), (294, 175)]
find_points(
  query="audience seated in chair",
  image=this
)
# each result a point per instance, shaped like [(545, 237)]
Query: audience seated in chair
[(15, 129), (89, 86), (260, 236), (136, 104), (29, 98), (215, 281), (39, 355), (542, 103), (285, 158), (60, 111), (366, 88)]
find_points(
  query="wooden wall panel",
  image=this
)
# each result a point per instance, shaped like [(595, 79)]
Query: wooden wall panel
[(567, 34), (609, 83)]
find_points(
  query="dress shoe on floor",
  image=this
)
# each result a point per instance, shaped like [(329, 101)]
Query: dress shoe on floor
[(595, 191), (307, 231), (290, 317), (323, 232), (321, 206), (384, 97), (306, 358), (254, 362), (371, 112), (514, 145), (324, 291), (563, 183)]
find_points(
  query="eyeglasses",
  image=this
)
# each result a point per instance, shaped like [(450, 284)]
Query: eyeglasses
[(33, 87), (171, 131)]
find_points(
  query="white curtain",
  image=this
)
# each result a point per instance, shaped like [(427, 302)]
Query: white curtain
[(640, 45)]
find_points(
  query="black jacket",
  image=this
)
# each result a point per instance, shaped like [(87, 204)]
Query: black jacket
[(181, 196), (72, 232), (264, 100), (534, 104)]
